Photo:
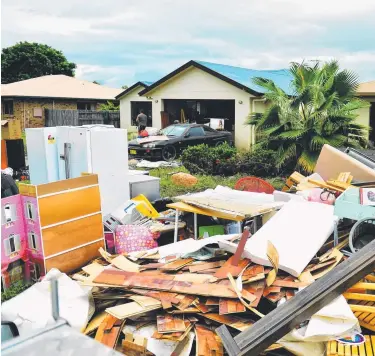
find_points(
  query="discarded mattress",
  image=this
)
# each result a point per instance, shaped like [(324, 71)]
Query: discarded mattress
[(297, 231), (226, 199)]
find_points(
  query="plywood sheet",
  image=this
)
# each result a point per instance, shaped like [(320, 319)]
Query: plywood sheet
[(72, 260), (72, 234), (65, 206), (298, 226), (67, 184)]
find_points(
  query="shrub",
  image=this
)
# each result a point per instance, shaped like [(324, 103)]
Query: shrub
[(203, 159), (259, 163)]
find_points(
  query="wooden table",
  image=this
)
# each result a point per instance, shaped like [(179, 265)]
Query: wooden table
[(180, 206)]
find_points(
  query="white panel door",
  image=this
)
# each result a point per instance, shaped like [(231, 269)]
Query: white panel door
[(109, 155), (42, 155), (78, 152)]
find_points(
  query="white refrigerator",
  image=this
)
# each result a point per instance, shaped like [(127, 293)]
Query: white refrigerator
[(96, 149), (42, 158)]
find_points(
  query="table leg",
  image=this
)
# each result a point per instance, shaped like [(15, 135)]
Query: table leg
[(195, 226), (176, 227), (255, 224)]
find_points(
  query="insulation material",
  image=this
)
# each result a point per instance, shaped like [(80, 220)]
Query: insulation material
[(298, 226), (333, 321), (75, 303)]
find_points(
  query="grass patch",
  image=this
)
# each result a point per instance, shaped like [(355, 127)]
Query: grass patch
[(14, 290), (168, 189)]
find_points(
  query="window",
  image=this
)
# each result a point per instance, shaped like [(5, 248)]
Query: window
[(38, 112), (196, 131), (9, 213), (8, 107), (33, 240), (12, 244), (174, 130), (29, 211), (208, 130), (86, 106)]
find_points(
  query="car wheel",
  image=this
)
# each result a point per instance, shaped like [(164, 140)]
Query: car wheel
[(168, 153), (218, 143)]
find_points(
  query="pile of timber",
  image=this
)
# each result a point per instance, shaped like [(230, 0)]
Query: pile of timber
[(188, 302)]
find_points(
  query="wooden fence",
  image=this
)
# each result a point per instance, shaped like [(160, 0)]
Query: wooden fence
[(81, 117)]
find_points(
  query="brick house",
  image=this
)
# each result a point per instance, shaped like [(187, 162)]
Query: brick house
[(26, 100)]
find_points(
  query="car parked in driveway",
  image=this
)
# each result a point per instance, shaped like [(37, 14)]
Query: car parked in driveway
[(180, 137)]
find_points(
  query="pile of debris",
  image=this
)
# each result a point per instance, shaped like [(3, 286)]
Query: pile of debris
[(158, 301)]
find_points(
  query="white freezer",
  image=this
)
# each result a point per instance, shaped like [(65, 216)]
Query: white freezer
[(42, 156), (96, 149)]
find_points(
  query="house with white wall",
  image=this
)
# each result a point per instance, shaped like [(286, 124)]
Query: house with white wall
[(200, 90), (197, 91)]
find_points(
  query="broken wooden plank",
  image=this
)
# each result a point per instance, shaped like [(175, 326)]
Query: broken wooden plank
[(228, 267), (109, 331), (205, 266), (208, 343), (228, 306), (308, 301), (169, 324), (176, 265), (164, 282), (235, 322), (240, 248)]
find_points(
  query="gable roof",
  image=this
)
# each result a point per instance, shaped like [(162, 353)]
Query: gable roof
[(366, 89), (58, 86), (236, 76), (143, 84)]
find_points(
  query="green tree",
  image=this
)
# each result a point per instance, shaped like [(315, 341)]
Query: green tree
[(96, 82), (109, 106), (27, 60), (322, 110), (124, 87)]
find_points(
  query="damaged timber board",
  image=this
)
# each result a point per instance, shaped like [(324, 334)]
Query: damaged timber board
[(302, 306)]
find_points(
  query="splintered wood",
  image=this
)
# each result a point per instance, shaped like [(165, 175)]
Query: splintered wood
[(182, 299)]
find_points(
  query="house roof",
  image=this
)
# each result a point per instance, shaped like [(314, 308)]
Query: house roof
[(366, 89), (58, 86), (142, 83), (237, 76)]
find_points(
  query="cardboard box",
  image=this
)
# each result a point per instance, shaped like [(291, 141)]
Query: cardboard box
[(11, 129)]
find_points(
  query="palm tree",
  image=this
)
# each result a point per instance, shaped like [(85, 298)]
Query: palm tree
[(322, 110)]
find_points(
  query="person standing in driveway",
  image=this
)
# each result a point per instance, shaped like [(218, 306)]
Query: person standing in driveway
[(8, 186), (141, 121)]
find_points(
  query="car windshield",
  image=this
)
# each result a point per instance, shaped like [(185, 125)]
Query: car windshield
[(174, 130)]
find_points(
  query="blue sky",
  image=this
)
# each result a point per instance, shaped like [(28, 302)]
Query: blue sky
[(118, 42)]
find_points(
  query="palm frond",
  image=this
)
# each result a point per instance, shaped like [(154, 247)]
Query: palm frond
[(307, 160), (285, 154)]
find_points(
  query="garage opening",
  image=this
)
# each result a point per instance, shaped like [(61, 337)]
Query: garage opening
[(200, 111), (136, 107)]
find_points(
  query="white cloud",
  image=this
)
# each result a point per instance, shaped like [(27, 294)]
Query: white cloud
[(137, 37)]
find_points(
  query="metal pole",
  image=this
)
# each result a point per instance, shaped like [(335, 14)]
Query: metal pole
[(195, 226), (176, 227), (55, 299)]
